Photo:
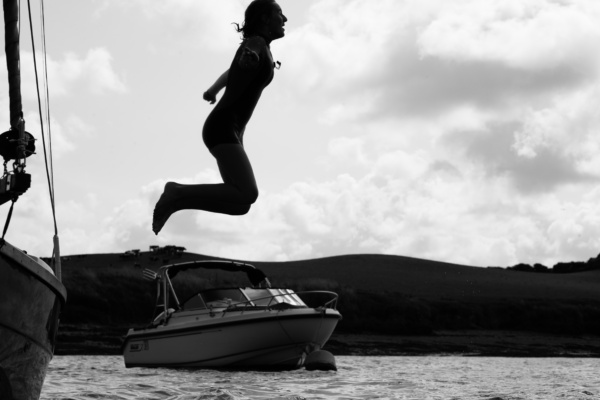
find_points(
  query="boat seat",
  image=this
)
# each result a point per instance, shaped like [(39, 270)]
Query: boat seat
[(223, 303)]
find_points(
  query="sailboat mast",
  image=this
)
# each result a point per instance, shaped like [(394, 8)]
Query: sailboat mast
[(11, 37)]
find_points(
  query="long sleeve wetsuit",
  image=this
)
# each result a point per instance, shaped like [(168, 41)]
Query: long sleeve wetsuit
[(247, 78)]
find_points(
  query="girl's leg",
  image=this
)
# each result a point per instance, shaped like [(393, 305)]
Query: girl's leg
[(234, 196)]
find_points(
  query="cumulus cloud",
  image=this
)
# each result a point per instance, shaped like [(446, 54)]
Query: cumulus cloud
[(529, 35), (347, 150), (95, 70), (431, 57), (187, 23), (463, 66), (436, 212), (575, 227)]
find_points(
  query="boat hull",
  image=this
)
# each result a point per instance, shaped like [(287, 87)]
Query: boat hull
[(30, 302), (269, 339)]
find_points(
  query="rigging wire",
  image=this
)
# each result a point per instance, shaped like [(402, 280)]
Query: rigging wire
[(47, 94), (46, 157)]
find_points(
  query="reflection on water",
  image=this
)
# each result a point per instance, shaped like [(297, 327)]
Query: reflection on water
[(422, 378)]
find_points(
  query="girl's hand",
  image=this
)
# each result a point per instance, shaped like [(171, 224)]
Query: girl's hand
[(211, 98)]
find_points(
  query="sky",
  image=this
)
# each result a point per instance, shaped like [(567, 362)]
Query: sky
[(465, 131)]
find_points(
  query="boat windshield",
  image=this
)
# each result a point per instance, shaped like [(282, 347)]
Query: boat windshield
[(223, 298), (270, 297), (215, 298)]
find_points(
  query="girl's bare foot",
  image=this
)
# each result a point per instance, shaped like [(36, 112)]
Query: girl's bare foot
[(164, 207)]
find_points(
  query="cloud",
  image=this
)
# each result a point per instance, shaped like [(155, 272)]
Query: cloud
[(576, 227), (205, 25), (493, 151), (347, 150), (346, 39), (439, 209), (402, 59), (513, 82), (568, 123), (95, 70), (380, 212), (526, 35)]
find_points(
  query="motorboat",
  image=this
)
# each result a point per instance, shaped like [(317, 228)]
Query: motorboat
[(31, 293), (256, 327)]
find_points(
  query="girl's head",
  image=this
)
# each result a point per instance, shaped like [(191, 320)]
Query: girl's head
[(264, 18)]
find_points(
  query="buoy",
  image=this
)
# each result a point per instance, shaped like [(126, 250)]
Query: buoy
[(320, 360)]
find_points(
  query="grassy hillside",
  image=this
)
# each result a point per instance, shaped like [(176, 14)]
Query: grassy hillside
[(438, 280), (379, 294)]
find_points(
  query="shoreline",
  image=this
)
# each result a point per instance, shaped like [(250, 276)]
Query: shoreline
[(102, 340), (467, 343)]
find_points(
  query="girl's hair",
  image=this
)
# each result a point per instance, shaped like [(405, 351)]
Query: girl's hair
[(253, 15)]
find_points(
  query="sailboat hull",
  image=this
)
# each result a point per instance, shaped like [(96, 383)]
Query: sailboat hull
[(30, 302)]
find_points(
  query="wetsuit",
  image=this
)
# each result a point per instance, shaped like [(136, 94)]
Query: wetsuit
[(245, 82)]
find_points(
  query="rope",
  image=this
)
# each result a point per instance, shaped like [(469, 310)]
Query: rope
[(47, 159), (56, 249), (8, 217), (37, 84), (44, 53)]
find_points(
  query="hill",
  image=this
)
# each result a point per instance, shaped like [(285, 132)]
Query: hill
[(439, 280), (379, 294)]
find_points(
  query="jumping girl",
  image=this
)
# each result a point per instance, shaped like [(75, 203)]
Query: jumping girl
[(250, 72)]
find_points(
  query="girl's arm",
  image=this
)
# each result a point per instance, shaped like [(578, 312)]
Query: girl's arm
[(211, 94), (248, 61)]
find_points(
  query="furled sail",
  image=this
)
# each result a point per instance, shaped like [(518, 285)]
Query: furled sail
[(11, 37)]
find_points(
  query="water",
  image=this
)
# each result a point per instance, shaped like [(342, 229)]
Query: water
[(418, 378)]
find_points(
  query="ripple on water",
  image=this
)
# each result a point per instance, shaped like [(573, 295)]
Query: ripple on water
[(407, 378)]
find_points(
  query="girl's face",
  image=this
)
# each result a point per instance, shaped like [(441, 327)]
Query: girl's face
[(276, 22)]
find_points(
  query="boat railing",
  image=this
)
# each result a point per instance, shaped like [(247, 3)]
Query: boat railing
[(319, 298)]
